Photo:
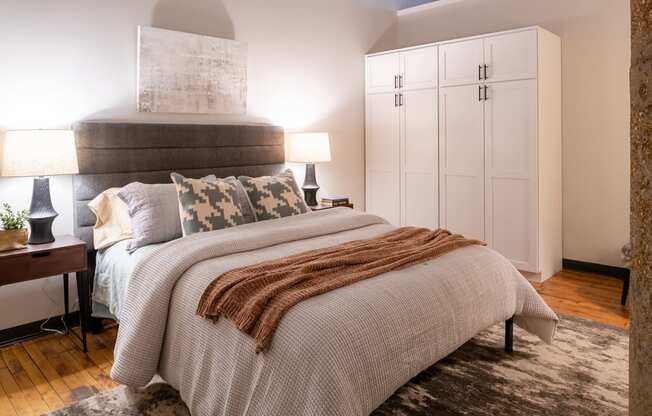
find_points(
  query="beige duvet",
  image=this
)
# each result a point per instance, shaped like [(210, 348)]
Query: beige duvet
[(340, 353)]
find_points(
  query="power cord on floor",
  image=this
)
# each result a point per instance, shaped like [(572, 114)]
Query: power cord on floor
[(63, 321)]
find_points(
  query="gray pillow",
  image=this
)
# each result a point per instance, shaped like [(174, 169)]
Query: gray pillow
[(153, 211)]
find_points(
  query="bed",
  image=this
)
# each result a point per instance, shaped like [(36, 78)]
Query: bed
[(341, 353)]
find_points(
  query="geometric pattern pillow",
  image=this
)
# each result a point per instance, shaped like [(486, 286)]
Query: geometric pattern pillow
[(274, 196), (207, 205)]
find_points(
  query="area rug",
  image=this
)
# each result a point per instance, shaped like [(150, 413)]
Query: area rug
[(584, 373)]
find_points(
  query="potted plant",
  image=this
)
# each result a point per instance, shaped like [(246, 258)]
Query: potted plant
[(13, 234)]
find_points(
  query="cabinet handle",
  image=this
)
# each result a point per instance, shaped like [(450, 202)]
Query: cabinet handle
[(400, 81), (41, 254), (485, 93), (479, 72), (479, 92), (400, 100), (485, 71), (395, 81), (395, 100)]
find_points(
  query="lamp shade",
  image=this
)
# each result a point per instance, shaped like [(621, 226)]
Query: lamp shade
[(309, 148), (39, 153)]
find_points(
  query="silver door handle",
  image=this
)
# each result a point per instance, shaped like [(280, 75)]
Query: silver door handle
[(400, 81), (395, 81), (400, 100), (485, 93), (479, 72), (485, 71), (479, 92), (395, 100)]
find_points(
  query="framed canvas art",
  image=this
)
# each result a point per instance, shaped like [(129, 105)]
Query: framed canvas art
[(187, 73)]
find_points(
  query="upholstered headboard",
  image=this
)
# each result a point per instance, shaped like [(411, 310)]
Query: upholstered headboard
[(115, 154)]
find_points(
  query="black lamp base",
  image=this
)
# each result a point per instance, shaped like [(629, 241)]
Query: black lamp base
[(310, 186), (41, 213)]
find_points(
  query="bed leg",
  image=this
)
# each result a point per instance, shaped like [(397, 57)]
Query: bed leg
[(509, 335)]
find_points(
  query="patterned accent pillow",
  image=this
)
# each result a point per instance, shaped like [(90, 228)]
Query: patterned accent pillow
[(274, 196), (207, 205)]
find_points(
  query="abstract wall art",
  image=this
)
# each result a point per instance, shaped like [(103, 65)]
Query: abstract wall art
[(187, 73)]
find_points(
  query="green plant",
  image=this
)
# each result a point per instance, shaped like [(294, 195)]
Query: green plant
[(11, 220)]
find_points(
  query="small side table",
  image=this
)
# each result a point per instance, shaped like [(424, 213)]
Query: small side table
[(64, 256), (320, 207)]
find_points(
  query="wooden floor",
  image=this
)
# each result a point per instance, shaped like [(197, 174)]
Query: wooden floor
[(48, 373)]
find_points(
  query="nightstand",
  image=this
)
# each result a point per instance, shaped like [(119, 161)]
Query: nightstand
[(321, 207), (64, 256)]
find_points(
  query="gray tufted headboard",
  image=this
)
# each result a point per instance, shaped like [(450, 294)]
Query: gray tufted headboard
[(115, 154)]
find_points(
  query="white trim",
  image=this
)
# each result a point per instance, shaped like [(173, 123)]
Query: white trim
[(427, 6), (444, 42)]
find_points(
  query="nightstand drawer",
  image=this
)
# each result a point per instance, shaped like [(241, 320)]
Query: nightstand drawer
[(42, 264)]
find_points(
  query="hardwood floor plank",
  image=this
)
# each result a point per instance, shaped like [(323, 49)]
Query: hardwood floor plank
[(6, 407), (48, 371), (16, 396)]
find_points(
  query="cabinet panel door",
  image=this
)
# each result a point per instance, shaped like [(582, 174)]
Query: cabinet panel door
[(461, 155), (382, 73), (511, 56), (419, 68), (382, 157), (419, 173), (511, 171), (459, 62)]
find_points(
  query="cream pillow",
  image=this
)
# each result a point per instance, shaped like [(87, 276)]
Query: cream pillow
[(112, 222)]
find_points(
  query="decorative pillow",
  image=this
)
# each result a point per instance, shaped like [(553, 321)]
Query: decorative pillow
[(207, 205), (112, 223), (245, 204), (154, 212), (274, 196)]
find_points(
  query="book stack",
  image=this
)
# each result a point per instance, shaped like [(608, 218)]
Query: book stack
[(335, 201)]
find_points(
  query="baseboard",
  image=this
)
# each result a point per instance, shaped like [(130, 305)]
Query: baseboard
[(601, 269), (33, 329)]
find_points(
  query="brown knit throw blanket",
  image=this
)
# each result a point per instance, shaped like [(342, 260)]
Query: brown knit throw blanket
[(256, 297)]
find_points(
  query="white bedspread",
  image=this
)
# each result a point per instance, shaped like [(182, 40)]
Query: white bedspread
[(340, 353)]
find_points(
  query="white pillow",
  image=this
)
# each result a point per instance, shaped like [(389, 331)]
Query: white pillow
[(112, 223)]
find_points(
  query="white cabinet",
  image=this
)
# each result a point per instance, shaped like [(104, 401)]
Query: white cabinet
[(461, 150), (461, 62), (382, 157), (469, 138), (382, 73), (418, 68), (511, 171), (402, 163), (420, 170), (510, 56)]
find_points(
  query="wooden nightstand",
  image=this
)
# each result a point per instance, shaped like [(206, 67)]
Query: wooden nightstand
[(65, 255), (321, 207)]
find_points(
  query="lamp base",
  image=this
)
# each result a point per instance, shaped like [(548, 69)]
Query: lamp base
[(41, 213), (310, 186)]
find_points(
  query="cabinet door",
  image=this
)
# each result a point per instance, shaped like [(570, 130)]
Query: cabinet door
[(511, 56), (382, 72), (419, 173), (461, 155), (511, 171), (459, 62), (382, 157), (419, 68)]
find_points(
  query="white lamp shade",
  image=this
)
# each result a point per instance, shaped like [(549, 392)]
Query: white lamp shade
[(309, 148), (39, 153)]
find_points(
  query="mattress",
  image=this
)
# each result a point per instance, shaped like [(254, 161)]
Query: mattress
[(114, 267)]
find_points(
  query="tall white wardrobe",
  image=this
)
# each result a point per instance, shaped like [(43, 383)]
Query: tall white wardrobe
[(466, 135)]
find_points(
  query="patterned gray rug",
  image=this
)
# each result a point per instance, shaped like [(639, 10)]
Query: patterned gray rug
[(584, 373)]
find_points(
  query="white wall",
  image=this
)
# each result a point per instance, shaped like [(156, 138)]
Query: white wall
[(595, 70), (70, 60)]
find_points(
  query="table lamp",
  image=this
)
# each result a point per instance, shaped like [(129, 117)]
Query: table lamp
[(39, 153), (309, 148)]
